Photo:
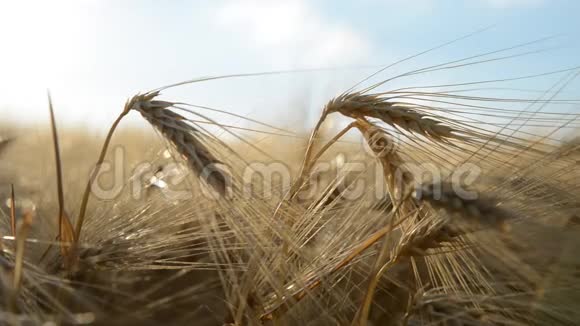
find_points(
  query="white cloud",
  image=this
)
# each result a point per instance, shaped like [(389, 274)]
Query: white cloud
[(292, 32), (502, 4)]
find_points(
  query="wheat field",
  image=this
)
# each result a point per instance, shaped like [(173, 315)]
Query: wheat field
[(435, 205)]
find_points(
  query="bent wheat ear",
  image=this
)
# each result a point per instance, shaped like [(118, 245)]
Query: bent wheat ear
[(484, 211), (183, 136), (180, 134), (396, 114)]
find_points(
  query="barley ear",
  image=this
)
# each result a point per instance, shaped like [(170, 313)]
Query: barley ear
[(403, 116), (184, 138)]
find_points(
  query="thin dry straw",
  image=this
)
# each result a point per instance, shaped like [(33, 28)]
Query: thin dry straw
[(446, 64), (87, 192), (413, 243), (12, 211), (290, 133), (216, 139), (23, 231), (309, 161), (490, 81), (265, 73), (565, 83), (528, 148), (314, 282), (418, 55)]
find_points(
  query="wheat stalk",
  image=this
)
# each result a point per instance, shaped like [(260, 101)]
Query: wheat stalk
[(313, 281), (12, 211), (427, 234), (22, 234)]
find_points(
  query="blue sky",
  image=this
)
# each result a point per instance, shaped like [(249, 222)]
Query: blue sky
[(94, 54)]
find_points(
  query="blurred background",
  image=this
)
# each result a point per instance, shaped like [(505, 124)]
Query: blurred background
[(94, 54)]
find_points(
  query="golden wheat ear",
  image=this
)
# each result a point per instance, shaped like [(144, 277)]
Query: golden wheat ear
[(396, 114), (185, 138)]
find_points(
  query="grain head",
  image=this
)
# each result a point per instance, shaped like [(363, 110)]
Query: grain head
[(403, 116), (185, 138)]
